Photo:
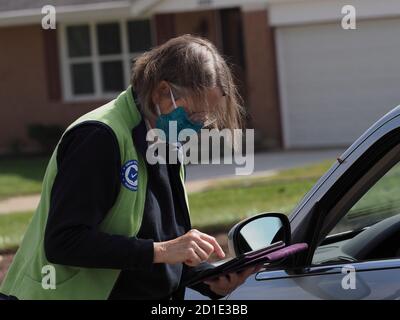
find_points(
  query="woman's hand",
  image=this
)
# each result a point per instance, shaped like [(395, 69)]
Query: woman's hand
[(192, 248), (225, 284)]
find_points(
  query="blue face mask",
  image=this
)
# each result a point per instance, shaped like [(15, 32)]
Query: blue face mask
[(181, 118)]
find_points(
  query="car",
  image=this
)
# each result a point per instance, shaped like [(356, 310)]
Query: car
[(350, 220)]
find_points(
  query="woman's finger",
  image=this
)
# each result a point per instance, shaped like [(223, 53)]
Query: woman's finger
[(206, 246), (223, 282), (217, 248), (200, 252), (233, 282), (220, 282), (234, 279), (192, 258), (243, 275)]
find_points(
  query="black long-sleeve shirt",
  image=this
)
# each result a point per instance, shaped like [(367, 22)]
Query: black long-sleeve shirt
[(84, 190)]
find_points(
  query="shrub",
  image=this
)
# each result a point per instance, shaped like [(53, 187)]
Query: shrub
[(46, 136)]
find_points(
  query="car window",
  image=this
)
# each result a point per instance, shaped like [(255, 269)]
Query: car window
[(370, 225), (380, 202)]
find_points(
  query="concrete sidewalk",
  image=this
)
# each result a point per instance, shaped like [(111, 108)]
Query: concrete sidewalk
[(19, 204), (263, 162), (199, 176)]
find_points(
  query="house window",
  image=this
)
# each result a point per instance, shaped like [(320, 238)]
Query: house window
[(97, 57)]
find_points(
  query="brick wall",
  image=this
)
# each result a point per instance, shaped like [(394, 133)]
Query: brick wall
[(28, 93), (262, 86)]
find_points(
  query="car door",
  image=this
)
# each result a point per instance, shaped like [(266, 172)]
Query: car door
[(321, 209), (372, 280), (368, 193)]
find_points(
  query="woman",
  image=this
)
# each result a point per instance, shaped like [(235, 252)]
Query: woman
[(109, 224)]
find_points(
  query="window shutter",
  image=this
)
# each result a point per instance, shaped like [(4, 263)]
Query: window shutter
[(165, 27), (52, 64)]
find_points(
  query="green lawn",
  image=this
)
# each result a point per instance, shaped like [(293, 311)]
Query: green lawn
[(224, 202), (21, 176), (221, 205), (12, 228), (231, 200)]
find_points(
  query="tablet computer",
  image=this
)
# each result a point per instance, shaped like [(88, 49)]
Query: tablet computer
[(226, 265)]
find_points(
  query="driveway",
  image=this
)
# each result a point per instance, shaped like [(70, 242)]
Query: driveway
[(263, 162)]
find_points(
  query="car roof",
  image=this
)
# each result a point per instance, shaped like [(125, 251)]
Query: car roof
[(389, 117)]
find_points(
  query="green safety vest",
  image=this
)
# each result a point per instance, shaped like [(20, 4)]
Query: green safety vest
[(24, 278)]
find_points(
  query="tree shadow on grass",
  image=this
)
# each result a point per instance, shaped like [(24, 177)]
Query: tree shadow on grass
[(27, 167)]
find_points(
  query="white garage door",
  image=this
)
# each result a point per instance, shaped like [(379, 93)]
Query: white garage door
[(335, 83)]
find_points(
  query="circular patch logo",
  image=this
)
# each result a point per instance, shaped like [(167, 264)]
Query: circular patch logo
[(129, 175)]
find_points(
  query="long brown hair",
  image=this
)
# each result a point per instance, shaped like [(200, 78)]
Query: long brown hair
[(190, 64)]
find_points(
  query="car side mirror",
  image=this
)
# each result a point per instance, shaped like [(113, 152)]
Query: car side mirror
[(259, 231)]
